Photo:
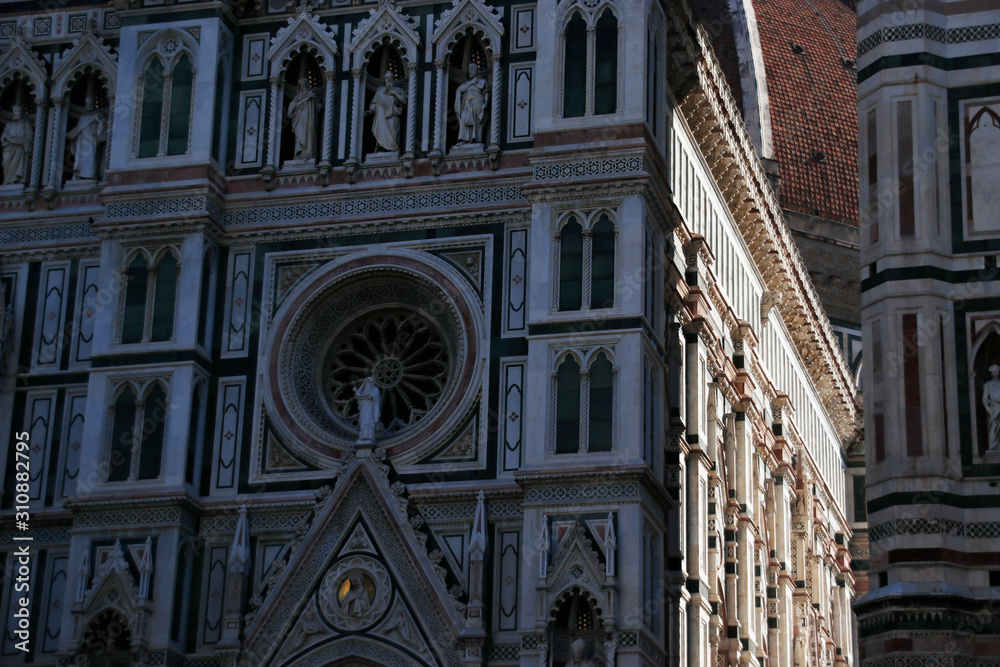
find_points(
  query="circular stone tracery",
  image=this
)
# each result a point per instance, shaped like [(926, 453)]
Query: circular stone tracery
[(402, 319), (404, 352)]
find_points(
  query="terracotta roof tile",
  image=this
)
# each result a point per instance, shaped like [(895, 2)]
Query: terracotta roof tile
[(813, 103), (811, 94)]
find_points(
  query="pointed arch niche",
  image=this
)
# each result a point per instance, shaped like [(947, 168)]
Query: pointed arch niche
[(387, 30), (470, 32), (303, 62), (83, 90), (22, 85), (986, 352)]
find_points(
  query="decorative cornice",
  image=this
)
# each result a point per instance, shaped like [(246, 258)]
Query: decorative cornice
[(708, 108)]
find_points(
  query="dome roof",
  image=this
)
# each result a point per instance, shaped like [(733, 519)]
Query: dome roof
[(805, 94)]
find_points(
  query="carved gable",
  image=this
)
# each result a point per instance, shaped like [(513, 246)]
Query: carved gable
[(385, 21), (303, 31), (19, 57), (473, 16), (361, 585), (88, 53)]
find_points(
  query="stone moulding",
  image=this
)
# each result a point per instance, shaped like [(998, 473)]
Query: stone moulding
[(708, 108)]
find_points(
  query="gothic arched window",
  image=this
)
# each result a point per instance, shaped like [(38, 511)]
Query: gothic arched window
[(153, 85), (571, 266), (602, 272), (150, 298), (154, 419), (122, 434), (164, 298), (606, 64), (137, 429), (601, 398), (585, 275), (136, 286), (589, 61), (575, 68), (181, 92), (166, 86), (568, 407)]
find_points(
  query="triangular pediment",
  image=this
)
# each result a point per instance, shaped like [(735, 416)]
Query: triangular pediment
[(483, 20), (113, 586), (386, 20), (88, 53), (577, 562), (357, 580), (303, 29)]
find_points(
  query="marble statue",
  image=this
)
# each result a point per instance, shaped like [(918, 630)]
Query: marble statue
[(369, 407), (356, 601), (387, 107), (16, 141), (578, 647), (302, 114), (991, 401), (88, 134), (543, 654), (471, 99), (610, 647)]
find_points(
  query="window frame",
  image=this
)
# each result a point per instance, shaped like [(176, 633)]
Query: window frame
[(590, 15), (585, 358), (155, 49), (152, 257), (587, 222), (141, 388)]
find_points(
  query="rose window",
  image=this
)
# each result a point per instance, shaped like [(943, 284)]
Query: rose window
[(408, 358), (400, 319)]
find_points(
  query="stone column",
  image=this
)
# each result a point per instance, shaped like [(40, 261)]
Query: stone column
[(591, 68), (327, 144), (58, 104), (493, 149), (109, 132), (354, 138), (440, 114), (168, 77), (411, 118), (273, 126), (411, 107), (584, 409), (38, 146)]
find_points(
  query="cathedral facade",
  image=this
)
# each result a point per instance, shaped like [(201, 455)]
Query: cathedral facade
[(403, 333)]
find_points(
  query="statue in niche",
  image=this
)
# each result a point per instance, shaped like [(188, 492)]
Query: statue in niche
[(16, 141), (302, 114), (369, 408), (991, 401), (387, 107), (88, 134), (578, 647), (471, 99)]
